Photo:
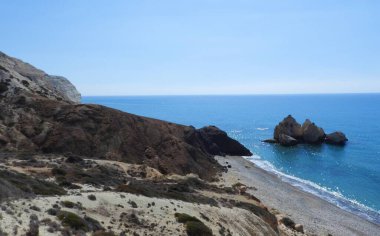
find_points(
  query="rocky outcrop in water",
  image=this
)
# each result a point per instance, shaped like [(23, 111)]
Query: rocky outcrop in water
[(311, 133), (289, 126), (336, 138), (289, 133), (286, 140)]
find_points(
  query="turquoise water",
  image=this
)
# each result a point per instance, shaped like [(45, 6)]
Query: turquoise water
[(346, 176)]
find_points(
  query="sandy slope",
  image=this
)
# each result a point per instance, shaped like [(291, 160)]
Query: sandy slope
[(156, 219), (318, 216)]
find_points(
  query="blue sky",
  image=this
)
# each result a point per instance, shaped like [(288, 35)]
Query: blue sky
[(164, 47)]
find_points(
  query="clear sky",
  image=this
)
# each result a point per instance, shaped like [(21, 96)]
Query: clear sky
[(162, 47)]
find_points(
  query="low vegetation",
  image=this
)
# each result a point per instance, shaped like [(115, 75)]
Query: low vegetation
[(194, 227), (72, 220)]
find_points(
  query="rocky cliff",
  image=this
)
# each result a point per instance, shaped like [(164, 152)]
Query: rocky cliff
[(82, 169), (39, 114), (17, 76)]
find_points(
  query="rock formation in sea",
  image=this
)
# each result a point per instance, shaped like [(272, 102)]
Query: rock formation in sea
[(289, 126), (311, 133), (289, 133), (286, 140), (336, 138)]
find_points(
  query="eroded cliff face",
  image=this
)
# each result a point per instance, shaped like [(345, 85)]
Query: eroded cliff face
[(36, 116), (17, 76)]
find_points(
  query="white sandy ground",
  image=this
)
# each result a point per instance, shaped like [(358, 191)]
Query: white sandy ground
[(156, 219), (318, 216), (106, 209)]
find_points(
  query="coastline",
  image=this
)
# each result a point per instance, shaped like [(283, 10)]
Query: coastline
[(318, 216)]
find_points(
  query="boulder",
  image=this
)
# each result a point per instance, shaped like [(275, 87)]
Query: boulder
[(312, 133), (271, 140), (289, 126), (3, 140), (286, 140), (299, 228), (215, 141), (336, 138)]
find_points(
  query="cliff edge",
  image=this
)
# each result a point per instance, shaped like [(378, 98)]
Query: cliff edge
[(39, 113), (16, 76)]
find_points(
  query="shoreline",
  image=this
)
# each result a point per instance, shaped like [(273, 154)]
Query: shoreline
[(317, 215)]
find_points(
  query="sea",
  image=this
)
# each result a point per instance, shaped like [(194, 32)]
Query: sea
[(348, 176)]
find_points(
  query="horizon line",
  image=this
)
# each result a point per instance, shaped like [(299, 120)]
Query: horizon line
[(253, 94)]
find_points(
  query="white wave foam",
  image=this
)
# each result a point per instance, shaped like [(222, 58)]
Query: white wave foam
[(334, 197), (262, 129)]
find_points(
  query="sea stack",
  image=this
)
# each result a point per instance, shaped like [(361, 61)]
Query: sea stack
[(336, 138), (290, 133)]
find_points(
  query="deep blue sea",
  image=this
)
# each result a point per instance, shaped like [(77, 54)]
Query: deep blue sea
[(346, 176)]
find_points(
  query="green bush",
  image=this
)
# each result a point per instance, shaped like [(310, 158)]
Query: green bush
[(72, 220), (183, 218), (194, 228), (103, 233), (68, 204)]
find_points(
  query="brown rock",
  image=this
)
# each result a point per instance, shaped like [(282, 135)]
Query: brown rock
[(290, 127), (312, 133), (286, 140), (336, 138), (3, 140), (270, 141)]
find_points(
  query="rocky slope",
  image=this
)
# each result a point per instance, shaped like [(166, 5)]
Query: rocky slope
[(101, 197), (16, 75), (82, 169), (38, 114)]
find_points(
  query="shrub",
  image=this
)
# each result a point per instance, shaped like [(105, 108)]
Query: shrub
[(194, 228), (104, 233), (133, 204), (183, 218), (58, 171), (72, 220), (68, 204)]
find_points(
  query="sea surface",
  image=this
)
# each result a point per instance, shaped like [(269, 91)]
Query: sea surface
[(348, 176)]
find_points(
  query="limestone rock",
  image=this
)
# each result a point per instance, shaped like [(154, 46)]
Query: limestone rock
[(312, 133), (289, 132), (62, 86), (336, 138), (290, 127), (271, 140), (18, 77), (286, 140), (299, 228)]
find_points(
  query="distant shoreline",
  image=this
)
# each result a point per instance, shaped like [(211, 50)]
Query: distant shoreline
[(317, 215)]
